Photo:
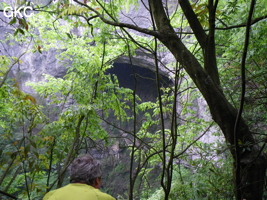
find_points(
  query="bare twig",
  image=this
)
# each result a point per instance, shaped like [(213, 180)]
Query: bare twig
[(242, 99), (12, 65)]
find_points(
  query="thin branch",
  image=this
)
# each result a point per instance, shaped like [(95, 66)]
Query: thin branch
[(7, 194), (50, 164), (252, 22), (242, 99), (182, 152), (13, 178), (6, 74), (119, 24), (70, 155), (194, 23), (133, 150)]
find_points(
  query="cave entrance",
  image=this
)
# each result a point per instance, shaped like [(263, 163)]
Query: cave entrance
[(145, 79)]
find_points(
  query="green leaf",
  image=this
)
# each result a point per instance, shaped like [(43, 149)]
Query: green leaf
[(13, 21), (27, 149), (33, 143), (69, 35), (34, 151), (20, 31), (13, 155), (16, 32)]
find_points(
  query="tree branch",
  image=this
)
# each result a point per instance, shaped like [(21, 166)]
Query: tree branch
[(194, 23), (119, 24), (254, 21), (7, 194), (182, 152), (242, 98), (209, 51), (6, 74)]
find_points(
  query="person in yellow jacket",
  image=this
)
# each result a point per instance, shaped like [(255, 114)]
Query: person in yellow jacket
[(85, 182)]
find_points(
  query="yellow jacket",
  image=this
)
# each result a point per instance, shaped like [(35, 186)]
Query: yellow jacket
[(77, 191)]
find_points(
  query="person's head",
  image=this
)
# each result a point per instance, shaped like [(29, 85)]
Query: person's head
[(86, 169)]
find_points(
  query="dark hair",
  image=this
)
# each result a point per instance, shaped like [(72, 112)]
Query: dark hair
[(85, 169)]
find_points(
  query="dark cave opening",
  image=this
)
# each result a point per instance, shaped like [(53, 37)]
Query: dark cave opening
[(145, 79)]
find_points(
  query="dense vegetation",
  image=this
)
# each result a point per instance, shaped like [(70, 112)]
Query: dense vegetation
[(218, 53)]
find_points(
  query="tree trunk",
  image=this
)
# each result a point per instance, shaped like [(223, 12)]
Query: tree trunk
[(252, 162)]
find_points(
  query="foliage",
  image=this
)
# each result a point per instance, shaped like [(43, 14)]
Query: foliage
[(206, 181), (91, 110)]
